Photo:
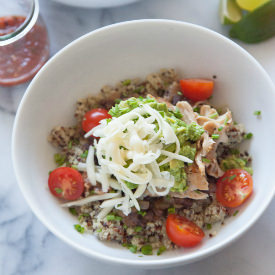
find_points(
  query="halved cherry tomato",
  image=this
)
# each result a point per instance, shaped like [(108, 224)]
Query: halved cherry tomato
[(66, 183), (234, 187), (197, 89), (183, 232), (92, 118)]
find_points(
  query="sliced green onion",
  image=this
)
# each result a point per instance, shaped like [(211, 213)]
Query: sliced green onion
[(196, 109), (232, 177), (171, 210), (142, 213), (257, 113), (147, 249), (179, 93), (70, 144), (215, 136), (248, 136), (138, 228), (126, 82), (220, 128), (59, 159), (236, 212), (206, 160), (79, 228), (73, 211), (58, 190), (208, 226), (215, 115), (112, 217), (84, 155), (161, 250), (226, 120)]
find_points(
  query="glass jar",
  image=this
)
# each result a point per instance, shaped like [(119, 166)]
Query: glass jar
[(24, 43)]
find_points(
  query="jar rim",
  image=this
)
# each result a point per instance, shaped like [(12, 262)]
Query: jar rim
[(24, 28)]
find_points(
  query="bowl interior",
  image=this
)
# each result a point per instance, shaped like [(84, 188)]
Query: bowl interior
[(129, 50)]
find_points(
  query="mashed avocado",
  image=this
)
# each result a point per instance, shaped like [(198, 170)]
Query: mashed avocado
[(187, 135), (235, 162)]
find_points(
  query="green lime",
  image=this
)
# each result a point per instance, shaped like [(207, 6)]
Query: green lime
[(257, 25), (230, 12)]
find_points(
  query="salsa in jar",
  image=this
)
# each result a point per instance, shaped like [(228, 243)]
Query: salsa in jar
[(22, 59)]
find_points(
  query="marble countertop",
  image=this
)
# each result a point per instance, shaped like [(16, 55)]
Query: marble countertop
[(27, 247)]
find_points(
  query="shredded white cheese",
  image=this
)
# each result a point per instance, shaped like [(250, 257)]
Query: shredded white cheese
[(127, 153)]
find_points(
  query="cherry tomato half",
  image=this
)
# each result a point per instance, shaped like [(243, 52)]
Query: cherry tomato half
[(66, 183), (92, 118), (197, 89), (183, 232), (234, 187)]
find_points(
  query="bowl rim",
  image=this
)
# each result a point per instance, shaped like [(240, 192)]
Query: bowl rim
[(154, 263)]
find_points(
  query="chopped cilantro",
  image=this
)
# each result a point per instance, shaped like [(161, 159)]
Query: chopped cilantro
[(83, 215), (73, 211), (79, 228), (147, 249), (220, 128), (125, 226), (171, 210), (161, 250), (248, 136), (206, 160), (257, 113), (215, 136), (99, 230), (58, 190), (138, 228)]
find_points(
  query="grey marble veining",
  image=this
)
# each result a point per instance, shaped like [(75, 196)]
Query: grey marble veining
[(27, 247)]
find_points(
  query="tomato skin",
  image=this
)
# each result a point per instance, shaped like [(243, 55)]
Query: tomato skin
[(183, 232), (66, 183), (93, 117), (234, 188), (197, 89)]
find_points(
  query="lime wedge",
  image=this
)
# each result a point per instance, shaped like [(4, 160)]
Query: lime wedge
[(256, 26), (230, 12), (251, 5)]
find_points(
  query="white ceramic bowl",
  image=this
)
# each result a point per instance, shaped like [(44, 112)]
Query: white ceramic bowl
[(96, 3), (133, 49)]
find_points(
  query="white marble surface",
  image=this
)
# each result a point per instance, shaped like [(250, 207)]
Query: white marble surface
[(27, 247)]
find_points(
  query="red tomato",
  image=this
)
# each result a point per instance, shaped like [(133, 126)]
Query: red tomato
[(234, 187), (183, 232), (93, 117), (66, 183), (197, 89)]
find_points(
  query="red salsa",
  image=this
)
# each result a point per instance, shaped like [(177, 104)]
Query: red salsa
[(21, 60)]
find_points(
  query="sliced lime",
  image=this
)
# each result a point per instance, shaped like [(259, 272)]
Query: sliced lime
[(251, 5), (230, 12)]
